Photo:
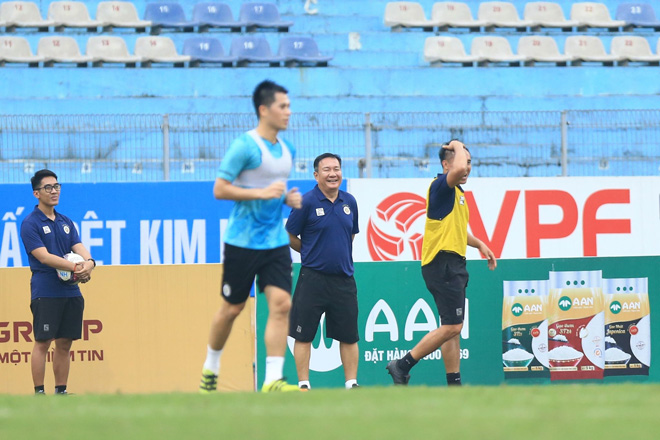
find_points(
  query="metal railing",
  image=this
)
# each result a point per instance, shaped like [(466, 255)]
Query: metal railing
[(178, 147)]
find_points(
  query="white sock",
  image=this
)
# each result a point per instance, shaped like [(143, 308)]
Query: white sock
[(350, 382), (212, 362), (274, 368), (304, 382)]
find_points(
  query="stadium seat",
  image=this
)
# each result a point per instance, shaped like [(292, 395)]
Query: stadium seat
[(61, 50), (158, 50), (262, 15), (215, 15), (107, 49), (595, 15), (73, 15), (253, 49), (121, 15), (548, 15), (206, 50), (301, 50), (503, 15), (23, 15), (640, 15), (456, 15), (167, 15), (407, 14), (17, 50), (495, 50), (438, 50), (635, 49), (588, 48), (541, 49)]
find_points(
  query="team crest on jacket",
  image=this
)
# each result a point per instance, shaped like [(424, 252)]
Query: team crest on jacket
[(66, 229), (347, 210), (461, 200)]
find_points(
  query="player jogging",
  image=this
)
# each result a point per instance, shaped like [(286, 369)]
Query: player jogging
[(253, 173), (443, 263)]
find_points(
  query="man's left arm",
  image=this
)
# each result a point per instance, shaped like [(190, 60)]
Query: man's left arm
[(485, 251)]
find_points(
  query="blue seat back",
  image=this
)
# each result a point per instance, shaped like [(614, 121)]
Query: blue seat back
[(203, 47), (261, 12), (636, 12), (212, 12), (251, 46), (164, 12), (298, 46)]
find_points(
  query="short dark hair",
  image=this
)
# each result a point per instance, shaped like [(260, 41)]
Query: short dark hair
[(442, 154), (39, 176), (264, 94), (325, 156)]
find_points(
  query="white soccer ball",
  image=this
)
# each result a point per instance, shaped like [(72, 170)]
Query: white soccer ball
[(67, 276)]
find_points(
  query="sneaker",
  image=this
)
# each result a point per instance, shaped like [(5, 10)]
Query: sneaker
[(63, 393), (304, 388), (398, 376), (279, 385), (209, 382), (355, 386), (40, 393)]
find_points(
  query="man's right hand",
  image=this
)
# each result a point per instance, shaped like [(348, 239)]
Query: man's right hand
[(274, 190)]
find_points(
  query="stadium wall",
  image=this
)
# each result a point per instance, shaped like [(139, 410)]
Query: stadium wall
[(145, 331)]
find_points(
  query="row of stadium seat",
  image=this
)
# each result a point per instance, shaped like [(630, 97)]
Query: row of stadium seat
[(156, 49), (159, 15), (445, 15), (532, 49)]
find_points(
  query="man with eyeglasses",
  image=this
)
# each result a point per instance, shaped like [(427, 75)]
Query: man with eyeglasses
[(57, 308)]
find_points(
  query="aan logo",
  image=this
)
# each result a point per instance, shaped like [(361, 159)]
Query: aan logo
[(616, 307), (517, 309), (565, 303)]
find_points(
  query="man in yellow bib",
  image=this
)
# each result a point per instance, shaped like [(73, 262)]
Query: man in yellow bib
[(443, 263)]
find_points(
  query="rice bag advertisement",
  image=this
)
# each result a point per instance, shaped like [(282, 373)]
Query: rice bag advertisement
[(576, 325), (627, 327), (525, 329)]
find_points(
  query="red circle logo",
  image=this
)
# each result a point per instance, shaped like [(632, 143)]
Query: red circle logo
[(536, 332), (394, 230), (633, 330)]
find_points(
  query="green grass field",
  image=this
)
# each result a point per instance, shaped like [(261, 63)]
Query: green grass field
[(507, 412)]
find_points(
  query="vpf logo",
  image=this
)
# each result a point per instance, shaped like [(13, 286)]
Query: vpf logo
[(395, 233)]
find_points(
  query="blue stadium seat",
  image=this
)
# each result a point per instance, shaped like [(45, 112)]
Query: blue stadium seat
[(638, 15), (206, 50), (253, 49), (263, 15), (167, 15), (301, 50), (216, 15)]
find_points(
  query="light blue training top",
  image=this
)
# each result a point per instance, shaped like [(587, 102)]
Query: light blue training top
[(256, 224)]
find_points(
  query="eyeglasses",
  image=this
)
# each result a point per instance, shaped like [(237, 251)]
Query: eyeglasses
[(49, 188)]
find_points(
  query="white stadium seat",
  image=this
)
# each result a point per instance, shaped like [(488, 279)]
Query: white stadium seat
[(496, 50), (589, 48), (502, 14), (73, 15), (23, 15), (542, 49), (634, 48), (596, 15), (107, 49), (406, 14), (120, 14), (455, 14), (548, 15), (17, 50), (439, 50), (158, 50), (61, 50)]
